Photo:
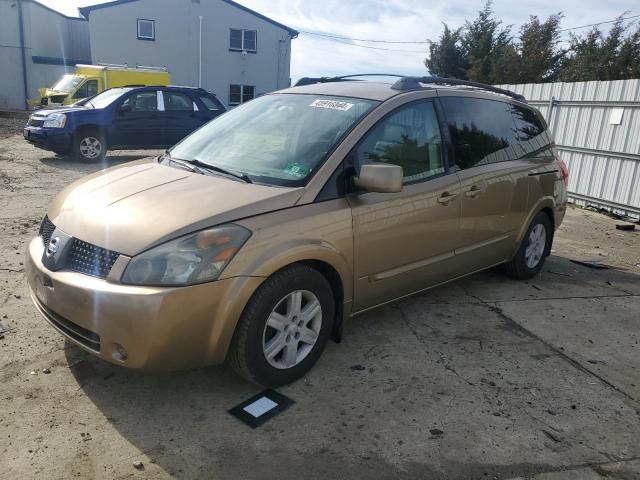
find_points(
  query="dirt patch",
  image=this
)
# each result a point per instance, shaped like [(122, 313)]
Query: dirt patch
[(11, 126)]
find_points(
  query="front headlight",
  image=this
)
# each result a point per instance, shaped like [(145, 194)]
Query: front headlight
[(55, 120), (195, 258)]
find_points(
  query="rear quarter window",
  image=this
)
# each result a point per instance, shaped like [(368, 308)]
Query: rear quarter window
[(210, 104), (531, 130), (482, 131)]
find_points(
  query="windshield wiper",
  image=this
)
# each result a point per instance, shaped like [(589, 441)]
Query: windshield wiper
[(182, 163), (214, 168), (198, 166)]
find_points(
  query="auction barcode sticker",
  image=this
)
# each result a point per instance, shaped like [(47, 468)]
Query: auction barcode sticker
[(332, 104)]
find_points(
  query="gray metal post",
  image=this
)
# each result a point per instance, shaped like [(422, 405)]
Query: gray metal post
[(25, 83)]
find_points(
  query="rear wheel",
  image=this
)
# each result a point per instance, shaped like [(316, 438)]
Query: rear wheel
[(284, 328), (533, 250), (90, 146)]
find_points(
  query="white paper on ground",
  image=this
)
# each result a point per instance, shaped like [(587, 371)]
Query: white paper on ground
[(260, 407)]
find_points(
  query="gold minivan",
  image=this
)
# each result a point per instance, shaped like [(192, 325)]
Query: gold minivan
[(257, 236)]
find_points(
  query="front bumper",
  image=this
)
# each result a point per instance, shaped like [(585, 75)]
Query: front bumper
[(48, 138), (159, 328)]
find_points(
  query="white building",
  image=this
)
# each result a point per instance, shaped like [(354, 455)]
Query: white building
[(37, 45), (220, 45)]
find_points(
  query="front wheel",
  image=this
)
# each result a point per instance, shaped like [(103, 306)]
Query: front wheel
[(284, 328), (533, 250), (90, 146)]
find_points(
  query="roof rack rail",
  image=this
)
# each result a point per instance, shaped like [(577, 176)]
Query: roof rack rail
[(414, 83), (344, 78)]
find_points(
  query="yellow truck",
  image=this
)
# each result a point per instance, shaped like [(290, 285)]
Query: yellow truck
[(89, 80)]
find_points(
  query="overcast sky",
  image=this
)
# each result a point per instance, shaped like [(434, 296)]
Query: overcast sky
[(395, 20)]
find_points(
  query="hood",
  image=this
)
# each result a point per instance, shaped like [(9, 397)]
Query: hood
[(133, 207), (43, 112)]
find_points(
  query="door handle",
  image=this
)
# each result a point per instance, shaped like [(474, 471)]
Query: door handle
[(473, 192), (446, 197)]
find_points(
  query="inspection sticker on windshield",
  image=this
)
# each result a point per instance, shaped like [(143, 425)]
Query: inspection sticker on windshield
[(296, 170), (332, 104)]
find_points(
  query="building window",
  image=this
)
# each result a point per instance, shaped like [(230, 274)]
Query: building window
[(146, 29), (239, 94), (243, 40)]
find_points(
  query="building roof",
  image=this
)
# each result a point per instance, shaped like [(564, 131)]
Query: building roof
[(88, 9)]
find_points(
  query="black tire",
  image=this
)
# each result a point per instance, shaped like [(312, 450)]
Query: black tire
[(247, 356), (86, 138), (518, 267)]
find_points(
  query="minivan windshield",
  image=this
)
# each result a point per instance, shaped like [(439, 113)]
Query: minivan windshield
[(105, 98), (67, 83), (279, 139)]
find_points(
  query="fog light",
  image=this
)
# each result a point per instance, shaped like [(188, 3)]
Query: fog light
[(120, 354)]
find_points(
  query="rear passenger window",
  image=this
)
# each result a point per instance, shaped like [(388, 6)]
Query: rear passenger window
[(482, 131), (410, 137), (177, 102)]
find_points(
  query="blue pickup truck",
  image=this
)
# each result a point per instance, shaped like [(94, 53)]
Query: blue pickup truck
[(122, 118)]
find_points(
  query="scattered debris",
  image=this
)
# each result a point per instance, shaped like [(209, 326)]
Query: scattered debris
[(138, 465), (595, 362), (34, 372), (627, 227), (358, 367), (4, 329), (560, 273), (436, 432), (552, 436), (593, 264), (46, 371)]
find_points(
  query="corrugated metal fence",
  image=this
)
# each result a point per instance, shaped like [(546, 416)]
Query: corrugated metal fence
[(596, 126)]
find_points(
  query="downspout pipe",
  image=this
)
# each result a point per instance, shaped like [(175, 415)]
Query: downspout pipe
[(25, 83), (200, 55)]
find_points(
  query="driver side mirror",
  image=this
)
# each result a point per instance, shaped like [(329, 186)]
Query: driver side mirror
[(380, 178)]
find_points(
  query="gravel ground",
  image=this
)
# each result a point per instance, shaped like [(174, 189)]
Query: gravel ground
[(11, 126), (482, 378)]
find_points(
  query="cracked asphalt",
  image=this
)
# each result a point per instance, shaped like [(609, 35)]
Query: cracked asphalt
[(484, 378)]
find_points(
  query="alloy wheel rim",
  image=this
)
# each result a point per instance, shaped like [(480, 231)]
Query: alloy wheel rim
[(292, 329), (535, 246), (90, 147)]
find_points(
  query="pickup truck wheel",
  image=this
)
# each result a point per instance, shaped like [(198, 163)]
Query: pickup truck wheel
[(533, 250), (284, 327), (90, 146)]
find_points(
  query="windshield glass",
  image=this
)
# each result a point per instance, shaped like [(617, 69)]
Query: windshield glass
[(276, 139), (105, 98), (67, 83)]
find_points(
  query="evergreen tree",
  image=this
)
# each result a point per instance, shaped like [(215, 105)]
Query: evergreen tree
[(540, 56), (446, 56)]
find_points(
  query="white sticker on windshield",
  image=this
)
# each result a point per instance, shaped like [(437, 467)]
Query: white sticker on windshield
[(332, 104)]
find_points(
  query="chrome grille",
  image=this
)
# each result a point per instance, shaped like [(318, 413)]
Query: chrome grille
[(46, 230), (90, 259)]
